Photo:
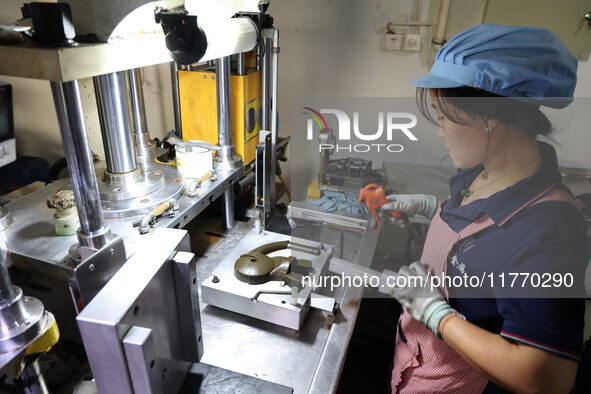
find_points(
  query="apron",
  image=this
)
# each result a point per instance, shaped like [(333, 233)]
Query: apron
[(422, 362)]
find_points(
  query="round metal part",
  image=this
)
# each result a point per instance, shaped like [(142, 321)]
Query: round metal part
[(230, 164), (96, 239), (253, 268), (144, 154), (21, 320), (5, 218), (137, 183), (171, 187)]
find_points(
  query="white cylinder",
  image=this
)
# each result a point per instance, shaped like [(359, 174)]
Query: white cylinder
[(192, 161), (227, 37)]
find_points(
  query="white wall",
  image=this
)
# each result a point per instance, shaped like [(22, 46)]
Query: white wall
[(332, 48)]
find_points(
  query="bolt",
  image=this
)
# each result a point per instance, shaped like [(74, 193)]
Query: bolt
[(215, 279), (91, 267), (111, 251)]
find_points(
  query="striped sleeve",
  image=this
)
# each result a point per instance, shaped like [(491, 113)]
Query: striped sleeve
[(553, 325)]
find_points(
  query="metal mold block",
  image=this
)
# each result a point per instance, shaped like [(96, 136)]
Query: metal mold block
[(145, 294), (269, 301), (315, 355)]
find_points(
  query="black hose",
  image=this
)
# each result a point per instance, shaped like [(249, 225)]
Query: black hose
[(55, 169)]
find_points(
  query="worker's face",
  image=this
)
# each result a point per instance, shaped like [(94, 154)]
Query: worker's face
[(465, 143)]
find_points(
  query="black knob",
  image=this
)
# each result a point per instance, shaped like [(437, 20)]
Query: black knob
[(185, 40)]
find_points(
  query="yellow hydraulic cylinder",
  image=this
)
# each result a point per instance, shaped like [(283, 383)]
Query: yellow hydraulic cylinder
[(197, 92)]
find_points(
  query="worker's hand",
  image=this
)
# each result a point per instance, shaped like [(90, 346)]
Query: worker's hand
[(412, 204), (413, 289)]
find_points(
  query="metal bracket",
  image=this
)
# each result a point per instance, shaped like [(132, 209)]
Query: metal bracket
[(94, 272), (187, 298), (263, 176)]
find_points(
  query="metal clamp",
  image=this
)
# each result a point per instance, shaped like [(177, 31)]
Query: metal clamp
[(170, 205)]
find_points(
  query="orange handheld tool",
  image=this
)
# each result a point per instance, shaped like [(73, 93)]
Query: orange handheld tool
[(374, 196)]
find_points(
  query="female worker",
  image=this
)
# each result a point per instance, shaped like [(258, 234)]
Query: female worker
[(508, 211)]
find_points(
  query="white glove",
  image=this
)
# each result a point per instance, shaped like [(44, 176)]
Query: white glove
[(423, 303), (412, 204)]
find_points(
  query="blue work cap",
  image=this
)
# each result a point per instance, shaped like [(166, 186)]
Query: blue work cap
[(511, 61)]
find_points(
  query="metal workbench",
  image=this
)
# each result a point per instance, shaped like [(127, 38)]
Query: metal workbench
[(32, 233), (310, 360)]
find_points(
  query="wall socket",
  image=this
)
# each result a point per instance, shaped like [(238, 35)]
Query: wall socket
[(392, 42), (412, 42)]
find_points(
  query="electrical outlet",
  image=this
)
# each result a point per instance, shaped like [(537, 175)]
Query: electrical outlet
[(392, 42), (412, 42)]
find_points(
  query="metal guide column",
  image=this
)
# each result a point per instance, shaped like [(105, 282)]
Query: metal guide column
[(93, 232), (143, 148), (274, 134), (269, 101), (226, 157), (115, 126), (7, 290), (227, 151), (241, 63), (176, 101), (266, 81), (123, 179)]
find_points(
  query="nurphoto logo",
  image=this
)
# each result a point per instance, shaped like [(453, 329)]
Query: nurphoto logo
[(395, 122)]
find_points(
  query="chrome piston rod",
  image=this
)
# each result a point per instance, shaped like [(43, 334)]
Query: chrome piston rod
[(176, 104), (227, 151), (266, 83), (115, 125), (143, 148), (93, 232), (226, 157)]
